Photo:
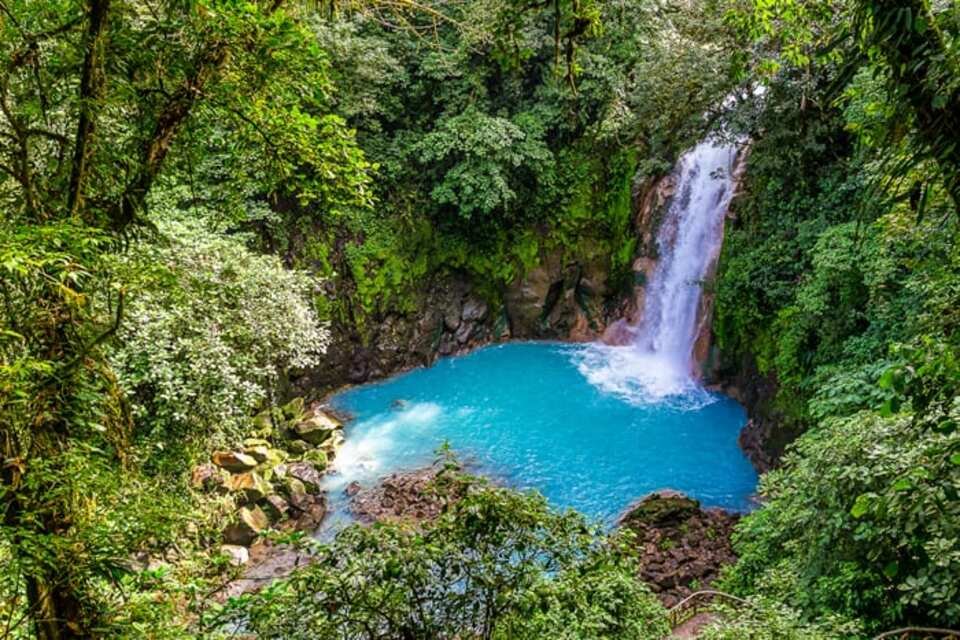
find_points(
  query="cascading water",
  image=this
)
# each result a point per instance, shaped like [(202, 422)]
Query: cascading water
[(657, 362)]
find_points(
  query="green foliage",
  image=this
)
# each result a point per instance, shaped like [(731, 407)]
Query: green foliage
[(496, 564), (494, 145), (861, 521), (768, 620), (210, 330)]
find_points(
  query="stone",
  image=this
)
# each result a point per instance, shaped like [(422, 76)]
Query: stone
[(312, 512), (318, 457), (250, 484), (236, 555), (333, 444), (233, 461), (293, 410), (275, 507), (298, 447), (263, 424), (295, 490), (259, 453), (316, 429), (249, 523), (352, 489), (313, 431), (463, 334), (680, 546), (451, 314), (402, 497), (474, 310), (205, 476), (256, 442), (306, 473), (661, 508)]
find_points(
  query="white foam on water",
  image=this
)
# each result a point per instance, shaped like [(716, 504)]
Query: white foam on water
[(363, 455), (640, 377)]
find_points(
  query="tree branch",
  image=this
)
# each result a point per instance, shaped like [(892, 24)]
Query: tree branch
[(91, 90)]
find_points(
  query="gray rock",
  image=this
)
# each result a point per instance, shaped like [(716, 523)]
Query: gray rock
[(464, 332), (306, 473), (236, 555), (474, 310)]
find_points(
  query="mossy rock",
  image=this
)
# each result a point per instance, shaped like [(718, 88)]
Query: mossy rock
[(263, 424), (298, 447), (663, 508), (293, 410), (318, 457)]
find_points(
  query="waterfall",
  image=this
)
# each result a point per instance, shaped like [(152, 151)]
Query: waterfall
[(657, 360), (687, 244)]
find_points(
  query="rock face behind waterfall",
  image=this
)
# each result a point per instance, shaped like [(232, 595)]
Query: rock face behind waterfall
[(559, 298)]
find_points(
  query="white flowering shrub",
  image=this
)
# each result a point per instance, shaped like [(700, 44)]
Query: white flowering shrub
[(209, 329)]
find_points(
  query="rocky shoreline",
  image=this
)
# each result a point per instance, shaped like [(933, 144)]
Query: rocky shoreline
[(680, 546), (273, 478)]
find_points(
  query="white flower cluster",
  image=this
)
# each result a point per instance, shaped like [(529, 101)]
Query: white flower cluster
[(210, 327)]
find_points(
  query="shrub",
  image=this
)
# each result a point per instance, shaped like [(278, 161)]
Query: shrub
[(862, 520), (210, 329), (497, 564)]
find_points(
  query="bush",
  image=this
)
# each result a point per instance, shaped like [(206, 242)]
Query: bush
[(210, 329), (497, 564), (861, 521), (765, 620)]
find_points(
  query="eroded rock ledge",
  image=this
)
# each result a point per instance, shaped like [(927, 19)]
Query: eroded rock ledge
[(681, 546)]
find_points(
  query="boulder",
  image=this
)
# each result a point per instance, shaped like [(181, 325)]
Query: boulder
[(451, 313), (306, 473), (259, 453), (263, 424), (293, 410), (333, 444), (249, 523), (298, 447), (680, 547), (275, 507), (660, 508), (474, 310), (250, 484), (294, 490), (318, 457), (233, 461), (464, 333), (235, 554), (316, 430)]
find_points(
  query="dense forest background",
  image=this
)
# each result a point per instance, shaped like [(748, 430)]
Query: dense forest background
[(197, 194)]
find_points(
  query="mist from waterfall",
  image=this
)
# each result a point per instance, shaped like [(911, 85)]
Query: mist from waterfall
[(658, 362)]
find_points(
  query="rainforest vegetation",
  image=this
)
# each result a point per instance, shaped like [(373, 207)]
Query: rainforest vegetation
[(199, 195)]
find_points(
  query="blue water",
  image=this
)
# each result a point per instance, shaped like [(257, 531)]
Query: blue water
[(534, 416)]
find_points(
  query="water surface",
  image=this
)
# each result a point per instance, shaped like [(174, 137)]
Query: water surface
[(566, 420)]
